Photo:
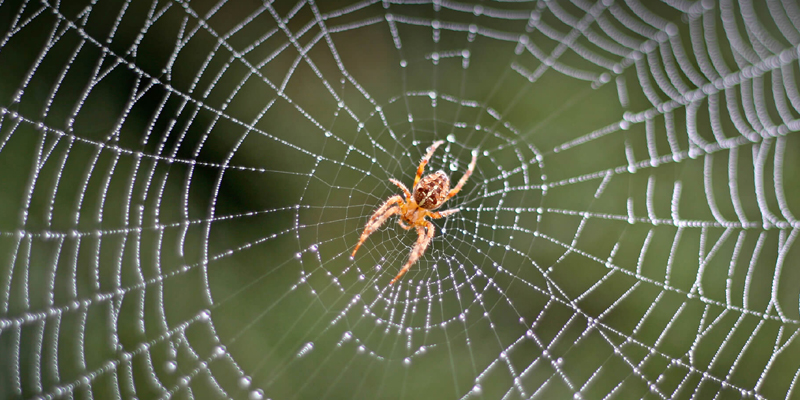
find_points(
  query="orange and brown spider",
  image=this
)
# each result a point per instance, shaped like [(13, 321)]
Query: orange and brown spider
[(429, 194)]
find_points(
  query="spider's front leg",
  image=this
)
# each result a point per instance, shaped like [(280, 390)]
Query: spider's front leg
[(425, 233), (380, 216)]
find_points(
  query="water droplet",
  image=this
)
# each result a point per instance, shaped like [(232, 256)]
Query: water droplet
[(306, 349), (257, 394), (361, 349), (407, 361), (454, 165), (171, 366), (244, 382), (313, 248), (219, 351), (477, 390), (451, 138)]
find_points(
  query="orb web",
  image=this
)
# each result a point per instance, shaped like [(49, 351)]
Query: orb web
[(183, 184)]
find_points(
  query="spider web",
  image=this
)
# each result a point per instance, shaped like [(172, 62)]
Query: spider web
[(183, 183)]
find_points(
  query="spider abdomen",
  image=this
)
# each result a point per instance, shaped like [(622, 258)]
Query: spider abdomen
[(432, 190)]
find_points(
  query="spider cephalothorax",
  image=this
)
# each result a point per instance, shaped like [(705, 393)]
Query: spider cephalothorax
[(429, 193)]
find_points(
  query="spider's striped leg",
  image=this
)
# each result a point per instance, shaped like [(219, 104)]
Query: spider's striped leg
[(380, 216), (464, 178), (402, 187), (442, 214), (425, 233), (425, 160)]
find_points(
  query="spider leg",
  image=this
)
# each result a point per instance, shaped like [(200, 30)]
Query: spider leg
[(403, 224), (425, 160), (402, 187), (442, 214), (386, 210), (464, 178), (425, 233)]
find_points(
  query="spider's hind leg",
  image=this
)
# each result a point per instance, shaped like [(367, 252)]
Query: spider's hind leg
[(464, 178), (425, 160)]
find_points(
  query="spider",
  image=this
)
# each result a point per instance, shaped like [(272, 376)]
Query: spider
[(429, 193)]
